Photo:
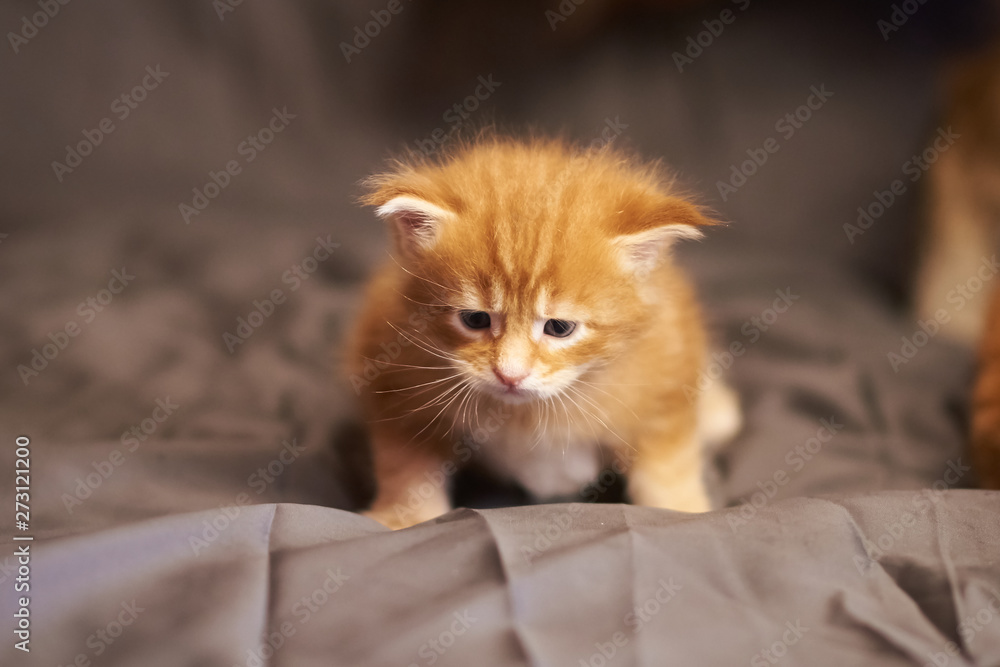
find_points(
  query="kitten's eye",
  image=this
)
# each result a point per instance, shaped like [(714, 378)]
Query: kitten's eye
[(475, 319), (559, 328)]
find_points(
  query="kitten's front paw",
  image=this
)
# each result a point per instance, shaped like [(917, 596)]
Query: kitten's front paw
[(720, 417), (689, 496), (391, 519), (398, 516)]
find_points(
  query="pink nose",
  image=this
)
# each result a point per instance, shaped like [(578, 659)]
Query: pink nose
[(508, 379)]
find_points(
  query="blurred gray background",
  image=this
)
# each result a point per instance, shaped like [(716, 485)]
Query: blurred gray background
[(605, 71)]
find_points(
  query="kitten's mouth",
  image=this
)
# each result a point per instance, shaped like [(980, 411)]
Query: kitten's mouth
[(510, 394)]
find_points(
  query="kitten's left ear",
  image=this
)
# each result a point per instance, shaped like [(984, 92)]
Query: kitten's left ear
[(670, 220), (416, 222)]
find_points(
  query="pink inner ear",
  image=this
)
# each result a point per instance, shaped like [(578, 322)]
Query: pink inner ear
[(646, 252), (414, 222), (417, 220), (416, 228)]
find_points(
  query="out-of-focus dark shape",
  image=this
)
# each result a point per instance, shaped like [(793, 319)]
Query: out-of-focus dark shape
[(963, 226), (986, 403)]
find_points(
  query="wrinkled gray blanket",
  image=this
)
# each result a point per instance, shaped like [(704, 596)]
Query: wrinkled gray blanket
[(889, 579)]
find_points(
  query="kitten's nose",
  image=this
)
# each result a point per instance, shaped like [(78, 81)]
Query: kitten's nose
[(510, 379)]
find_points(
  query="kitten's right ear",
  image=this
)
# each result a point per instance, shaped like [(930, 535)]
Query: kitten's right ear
[(653, 231), (416, 222)]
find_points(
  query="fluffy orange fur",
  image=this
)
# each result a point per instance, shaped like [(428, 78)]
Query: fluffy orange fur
[(521, 234)]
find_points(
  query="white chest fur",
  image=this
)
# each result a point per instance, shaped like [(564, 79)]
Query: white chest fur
[(555, 465)]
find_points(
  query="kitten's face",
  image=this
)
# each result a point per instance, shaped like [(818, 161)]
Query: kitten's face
[(522, 356), (527, 338), (542, 262)]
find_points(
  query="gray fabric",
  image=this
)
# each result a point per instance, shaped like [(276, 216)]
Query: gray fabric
[(271, 429), (552, 585)]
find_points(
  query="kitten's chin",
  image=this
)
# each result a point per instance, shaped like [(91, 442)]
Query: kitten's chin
[(512, 396)]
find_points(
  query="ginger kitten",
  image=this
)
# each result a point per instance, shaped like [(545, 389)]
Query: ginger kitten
[(530, 300)]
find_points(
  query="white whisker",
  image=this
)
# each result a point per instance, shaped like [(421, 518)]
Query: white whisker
[(423, 384), (425, 346), (463, 383), (437, 400), (426, 280), (587, 412), (608, 393), (406, 366)]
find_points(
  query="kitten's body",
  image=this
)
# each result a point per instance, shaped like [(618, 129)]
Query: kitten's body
[(531, 238)]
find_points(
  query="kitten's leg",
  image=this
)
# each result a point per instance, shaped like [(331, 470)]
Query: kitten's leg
[(404, 473), (667, 472), (719, 415), (959, 238)]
